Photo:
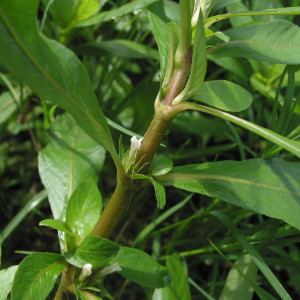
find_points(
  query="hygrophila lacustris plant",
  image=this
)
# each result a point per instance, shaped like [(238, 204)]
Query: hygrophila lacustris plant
[(55, 74)]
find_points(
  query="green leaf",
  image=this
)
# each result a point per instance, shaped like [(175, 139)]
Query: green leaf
[(36, 276), (161, 32), (116, 13), (258, 260), (179, 287), (224, 95), (199, 64), (269, 187), (140, 267), (70, 12), (237, 282), (277, 41), (278, 11), (6, 280), (7, 106), (292, 146), (49, 69), (93, 250), (84, 209), (56, 224), (120, 48), (160, 165), (160, 193), (70, 157)]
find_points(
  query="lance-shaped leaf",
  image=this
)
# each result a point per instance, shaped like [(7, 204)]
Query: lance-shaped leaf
[(292, 146), (36, 276), (224, 95), (140, 267), (266, 12), (50, 69), (269, 187), (70, 157), (277, 41), (6, 280)]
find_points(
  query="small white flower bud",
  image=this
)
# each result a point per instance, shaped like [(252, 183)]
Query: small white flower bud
[(86, 270)]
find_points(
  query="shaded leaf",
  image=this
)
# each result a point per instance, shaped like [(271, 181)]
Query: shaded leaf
[(160, 193), (70, 157), (120, 48), (160, 165), (36, 276), (224, 95), (277, 41), (93, 250), (237, 286), (269, 187), (179, 287), (140, 267), (49, 69)]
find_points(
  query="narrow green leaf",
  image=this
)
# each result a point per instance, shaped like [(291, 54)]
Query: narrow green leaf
[(278, 11), (224, 95), (199, 64), (161, 33), (56, 224), (36, 276), (179, 287), (93, 250), (116, 13), (258, 260), (277, 41), (160, 165), (6, 280), (120, 48), (269, 187), (84, 209), (160, 193), (48, 68), (7, 106), (140, 267), (237, 286), (70, 157), (292, 146)]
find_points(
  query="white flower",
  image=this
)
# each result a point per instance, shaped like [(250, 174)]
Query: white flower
[(86, 270), (135, 145)]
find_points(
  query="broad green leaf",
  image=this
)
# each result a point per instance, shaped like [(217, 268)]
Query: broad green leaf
[(237, 286), (269, 187), (161, 32), (50, 69), (84, 209), (120, 48), (6, 280), (160, 165), (36, 276), (70, 12), (179, 287), (224, 95), (93, 250), (116, 13), (258, 260), (278, 11), (160, 193), (70, 157), (199, 64), (140, 267), (277, 41), (56, 224), (242, 20), (292, 146)]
